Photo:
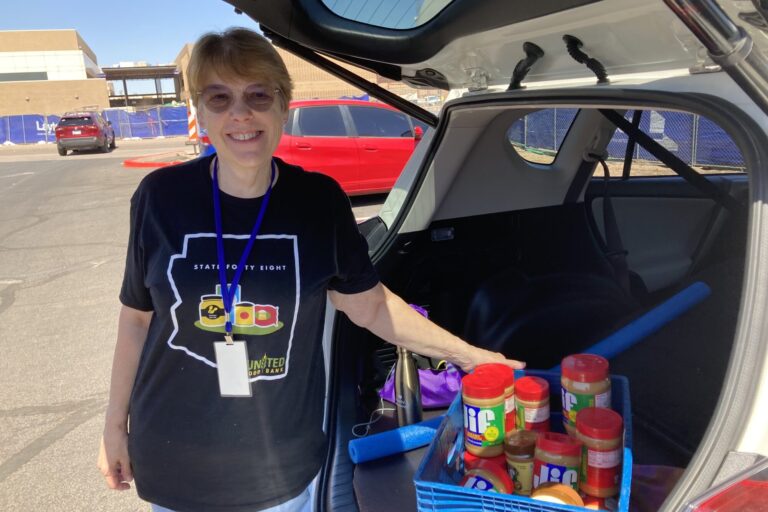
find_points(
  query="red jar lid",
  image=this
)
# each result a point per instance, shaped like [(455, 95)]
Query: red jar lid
[(585, 368), (506, 374), (531, 389), (497, 471), (560, 444), (599, 423), (482, 385)]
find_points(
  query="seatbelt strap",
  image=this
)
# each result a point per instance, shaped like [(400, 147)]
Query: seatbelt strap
[(583, 174), (629, 154), (615, 252), (673, 162)]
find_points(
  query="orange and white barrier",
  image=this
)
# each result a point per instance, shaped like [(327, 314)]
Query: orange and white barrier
[(192, 122)]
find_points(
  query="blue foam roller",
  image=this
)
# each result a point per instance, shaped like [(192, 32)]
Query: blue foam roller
[(649, 323), (398, 440)]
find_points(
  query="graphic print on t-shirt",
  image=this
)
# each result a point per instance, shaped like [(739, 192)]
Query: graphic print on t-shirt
[(247, 317), (264, 306)]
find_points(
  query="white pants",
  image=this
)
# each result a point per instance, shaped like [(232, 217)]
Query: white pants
[(301, 503)]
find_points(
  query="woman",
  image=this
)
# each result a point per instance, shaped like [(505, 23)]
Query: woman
[(230, 261)]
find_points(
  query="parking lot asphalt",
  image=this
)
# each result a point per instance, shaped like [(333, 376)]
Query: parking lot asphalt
[(63, 226), (126, 149), (63, 232)]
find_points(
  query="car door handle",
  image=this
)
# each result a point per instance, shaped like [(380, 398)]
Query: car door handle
[(303, 145), (370, 148)]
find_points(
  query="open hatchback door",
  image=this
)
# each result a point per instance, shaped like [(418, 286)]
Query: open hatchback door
[(596, 183)]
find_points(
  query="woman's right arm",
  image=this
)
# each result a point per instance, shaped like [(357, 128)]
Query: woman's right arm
[(113, 461)]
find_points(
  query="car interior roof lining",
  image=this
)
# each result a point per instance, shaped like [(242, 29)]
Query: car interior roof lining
[(456, 193), (311, 23)]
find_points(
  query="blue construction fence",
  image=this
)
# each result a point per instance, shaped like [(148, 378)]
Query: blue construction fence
[(149, 123), (694, 139)]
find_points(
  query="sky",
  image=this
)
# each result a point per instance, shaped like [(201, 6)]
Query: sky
[(127, 30)]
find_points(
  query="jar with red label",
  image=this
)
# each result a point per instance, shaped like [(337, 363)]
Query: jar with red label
[(483, 400), (600, 431), (487, 475), (532, 400), (507, 376), (557, 459), (585, 383)]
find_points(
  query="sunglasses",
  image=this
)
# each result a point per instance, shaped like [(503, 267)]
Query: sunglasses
[(219, 98)]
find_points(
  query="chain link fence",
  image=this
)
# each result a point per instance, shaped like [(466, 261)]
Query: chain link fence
[(694, 139)]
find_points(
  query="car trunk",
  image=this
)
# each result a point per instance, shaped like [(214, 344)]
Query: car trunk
[(541, 280), (544, 266), (675, 374), (77, 127)]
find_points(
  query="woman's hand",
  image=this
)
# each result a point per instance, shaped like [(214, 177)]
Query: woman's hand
[(113, 461), (478, 356), (387, 316)]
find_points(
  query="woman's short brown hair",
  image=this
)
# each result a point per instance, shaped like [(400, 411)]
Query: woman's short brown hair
[(237, 53)]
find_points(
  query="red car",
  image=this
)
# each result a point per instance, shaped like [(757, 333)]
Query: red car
[(84, 130), (363, 145)]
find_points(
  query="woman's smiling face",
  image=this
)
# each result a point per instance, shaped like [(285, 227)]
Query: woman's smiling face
[(243, 125)]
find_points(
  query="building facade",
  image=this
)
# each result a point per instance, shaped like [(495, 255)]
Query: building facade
[(48, 72)]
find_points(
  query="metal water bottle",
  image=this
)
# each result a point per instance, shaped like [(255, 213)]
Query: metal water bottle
[(407, 389)]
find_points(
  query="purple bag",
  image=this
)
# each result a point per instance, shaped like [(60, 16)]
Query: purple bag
[(438, 387)]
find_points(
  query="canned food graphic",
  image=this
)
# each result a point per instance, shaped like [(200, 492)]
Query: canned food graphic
[(266, 315), (244, 314), (212, 311)]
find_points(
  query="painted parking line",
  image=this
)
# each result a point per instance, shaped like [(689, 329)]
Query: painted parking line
[(17, 175)]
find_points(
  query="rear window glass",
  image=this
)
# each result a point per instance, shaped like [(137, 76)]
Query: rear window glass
[(321, 122), (424, 126), (400, 14), (537, 136), (288, 127), (377, 122), (694, 139), (75, 121)]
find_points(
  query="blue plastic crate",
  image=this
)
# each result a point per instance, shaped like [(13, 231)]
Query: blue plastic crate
[(439, 473)]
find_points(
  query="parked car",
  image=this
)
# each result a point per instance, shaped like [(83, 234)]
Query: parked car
[(526, 224), (363, 145), (84, 130)]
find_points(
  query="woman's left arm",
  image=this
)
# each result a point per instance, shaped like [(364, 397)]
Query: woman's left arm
[(387, 316)]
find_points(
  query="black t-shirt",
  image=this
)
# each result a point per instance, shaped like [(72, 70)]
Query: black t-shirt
[(191, 449)]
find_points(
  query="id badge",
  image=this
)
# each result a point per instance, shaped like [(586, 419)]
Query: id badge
[(232, 367)]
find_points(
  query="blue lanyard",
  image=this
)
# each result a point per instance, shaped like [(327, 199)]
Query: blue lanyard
[(227, 291)]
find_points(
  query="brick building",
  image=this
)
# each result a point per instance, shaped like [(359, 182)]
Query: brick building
[(48, 72)]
